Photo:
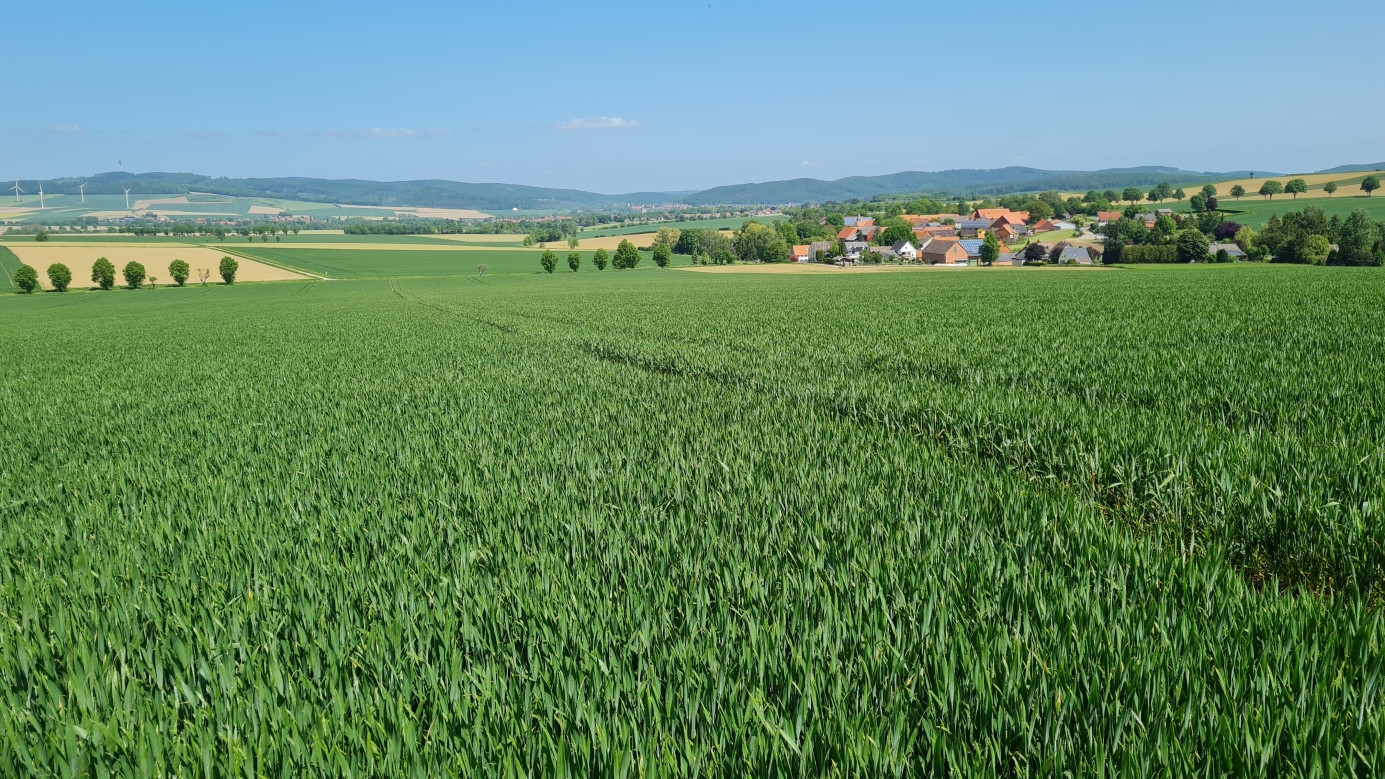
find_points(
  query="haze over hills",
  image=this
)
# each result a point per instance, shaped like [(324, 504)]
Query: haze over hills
[(436, 193)]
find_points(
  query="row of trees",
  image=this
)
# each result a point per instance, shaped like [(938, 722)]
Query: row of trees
[(626, 257), (134, 273)]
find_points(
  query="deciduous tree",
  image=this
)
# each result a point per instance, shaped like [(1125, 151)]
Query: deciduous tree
[(59, 276), (1132, 195), (179, 271), (1209, 191), (549, 260), (600, 258), (1271, 188), (228, 269), (1295, 186), (1192, 246), (103, 273), (1330, 188), (1369, 185), (574, 260), (990, 249), (663, 255), (627, 256), (1237, 191), (26, 278), (1357, 242), (134, 274)]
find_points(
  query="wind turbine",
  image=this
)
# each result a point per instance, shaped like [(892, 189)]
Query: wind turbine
[(17, 191), (127, 198), (40, 197), (83, 190)]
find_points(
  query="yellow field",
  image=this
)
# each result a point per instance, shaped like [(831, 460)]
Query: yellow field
[(448, 213), (266, 210), (610, 242), (477, 238), (155, 261), (141, 205)]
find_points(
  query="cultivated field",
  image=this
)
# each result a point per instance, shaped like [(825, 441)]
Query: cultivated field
[(881, 524), (80, 258)]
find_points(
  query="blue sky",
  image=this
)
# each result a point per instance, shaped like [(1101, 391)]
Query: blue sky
[(626, 96)]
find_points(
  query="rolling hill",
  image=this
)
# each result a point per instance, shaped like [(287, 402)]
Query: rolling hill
[(438, 193)]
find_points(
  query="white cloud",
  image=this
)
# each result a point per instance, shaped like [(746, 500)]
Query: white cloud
[(808, 164), (69, 129), (599, 123), (390, 132)]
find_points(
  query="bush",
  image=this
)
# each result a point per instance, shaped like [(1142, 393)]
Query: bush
[(59, 276), (26, 278), (599, 259), (41, 235), (574, 260), (549, 260), (103, 273), (179, 270), (228, 269)]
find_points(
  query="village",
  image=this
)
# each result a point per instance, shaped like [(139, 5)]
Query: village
[(949, 240)]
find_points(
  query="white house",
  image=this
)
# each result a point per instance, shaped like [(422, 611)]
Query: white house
[(906, 250)]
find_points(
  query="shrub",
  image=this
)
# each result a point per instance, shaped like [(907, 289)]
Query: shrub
[(481, 269), (134, 274), (179, 270), (549, 260), (41, 235), (59, 276), (599, 259), (103, 273), (574, 260), (26, 278), (228, 269)]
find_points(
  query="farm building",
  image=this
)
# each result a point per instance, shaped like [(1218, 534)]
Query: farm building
[(943, 251), (800, 253), (1231, 249), (1075, 254)]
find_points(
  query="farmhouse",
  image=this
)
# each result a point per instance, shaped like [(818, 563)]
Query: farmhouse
[(801, 253), (1075, 254), (943, 251), (1104, 218), (906, 250)]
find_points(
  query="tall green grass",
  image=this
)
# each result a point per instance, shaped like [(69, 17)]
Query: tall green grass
[(655, 522)]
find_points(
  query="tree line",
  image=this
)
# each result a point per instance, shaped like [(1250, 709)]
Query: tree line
[(134, 274), (1302, 237)]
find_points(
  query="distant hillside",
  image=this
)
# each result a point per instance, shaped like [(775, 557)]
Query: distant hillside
[(437, 193), (433, 193), (1354, 168), (966, 182)]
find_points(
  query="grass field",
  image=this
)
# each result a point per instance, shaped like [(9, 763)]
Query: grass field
[(1256, 211), (9, 263), (726, 524), (386, 263)]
